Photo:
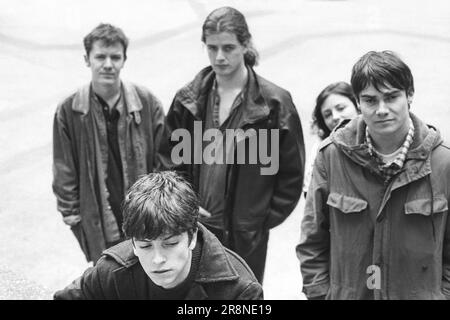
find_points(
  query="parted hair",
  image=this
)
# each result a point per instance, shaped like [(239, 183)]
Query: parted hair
[(109, 35), (381, 69), (158, 204), (228, 19)]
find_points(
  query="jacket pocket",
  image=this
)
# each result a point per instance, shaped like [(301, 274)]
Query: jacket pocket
[(423, 206), (346, 204), (427, 207)]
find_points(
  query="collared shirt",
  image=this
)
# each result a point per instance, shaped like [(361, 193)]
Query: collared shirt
[(114, 179), (213, 175), (388, 170)]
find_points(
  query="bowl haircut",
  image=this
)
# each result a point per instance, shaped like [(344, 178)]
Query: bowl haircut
[(160, 204), (382, 70)]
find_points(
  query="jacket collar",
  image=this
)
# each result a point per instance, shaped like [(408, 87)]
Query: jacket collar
[(81, 102), (349, 136), (194, 96), (214, 263)]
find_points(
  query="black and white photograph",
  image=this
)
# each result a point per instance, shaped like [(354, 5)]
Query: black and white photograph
[(224, 150)]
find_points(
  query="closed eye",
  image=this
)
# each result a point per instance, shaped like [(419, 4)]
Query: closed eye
[(171, 244)]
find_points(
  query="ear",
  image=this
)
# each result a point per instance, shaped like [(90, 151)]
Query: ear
[(410, 96), (86, 60), (193, 240)]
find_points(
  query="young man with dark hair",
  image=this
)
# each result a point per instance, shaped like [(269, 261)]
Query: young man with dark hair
[(376, 216), (105, 135), (169, 255), (241, 199)]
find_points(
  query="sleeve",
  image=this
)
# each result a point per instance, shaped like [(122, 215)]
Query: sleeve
[(96, 283), (289, 179), (160, 137), (313, 251), (176, 119), (65, 177), (253, 291), (309, 166), (446, 261), (85, 287)]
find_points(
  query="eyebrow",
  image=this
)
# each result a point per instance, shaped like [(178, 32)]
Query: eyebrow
[(170, 236), (392, 92)]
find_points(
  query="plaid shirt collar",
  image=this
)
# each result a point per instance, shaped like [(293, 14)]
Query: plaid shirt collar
[(389, 170)]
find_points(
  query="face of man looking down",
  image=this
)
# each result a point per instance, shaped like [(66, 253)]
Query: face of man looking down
[(166, 259)]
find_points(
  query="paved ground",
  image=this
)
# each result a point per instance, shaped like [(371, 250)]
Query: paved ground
[(304, 45)]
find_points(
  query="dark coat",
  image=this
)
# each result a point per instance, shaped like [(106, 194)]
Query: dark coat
[(221, 275), (354, 220), (254, 202), (80, 158)]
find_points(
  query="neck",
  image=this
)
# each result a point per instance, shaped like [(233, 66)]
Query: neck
[(236, 80), (109, 93), (387, 144)]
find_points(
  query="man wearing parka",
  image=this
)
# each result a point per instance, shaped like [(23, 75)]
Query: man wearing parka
[(376, 222), (105, 136), (239, 202), (161, 212)]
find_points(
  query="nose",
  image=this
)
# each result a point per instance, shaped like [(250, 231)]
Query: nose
[(220, 55), (158, 257), (108, 63), (336, 115), (382, 109)]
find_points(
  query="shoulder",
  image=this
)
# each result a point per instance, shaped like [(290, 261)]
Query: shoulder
[(241, 267), (147, 97), (65, 104), (278, 100), (324, 144), (246, 286), (440, 157), (272, 90), (120, 255)]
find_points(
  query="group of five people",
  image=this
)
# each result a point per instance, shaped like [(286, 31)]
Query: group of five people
[(160, 228)]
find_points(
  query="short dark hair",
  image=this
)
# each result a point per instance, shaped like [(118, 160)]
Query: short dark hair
[(158, 204), (341, 88), (227, 19), (109, 35), (381, 69)]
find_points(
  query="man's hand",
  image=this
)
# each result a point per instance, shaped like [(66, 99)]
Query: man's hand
[(203, 213), (72, 220)]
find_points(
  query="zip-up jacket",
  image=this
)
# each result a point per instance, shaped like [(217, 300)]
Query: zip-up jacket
[(364, 238), (80, 158), (254, 203)]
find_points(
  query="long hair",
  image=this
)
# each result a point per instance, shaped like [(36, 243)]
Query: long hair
[(227, 19)]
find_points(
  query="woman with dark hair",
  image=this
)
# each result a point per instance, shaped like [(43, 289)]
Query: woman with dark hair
[(335, 103), (239, 203)]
